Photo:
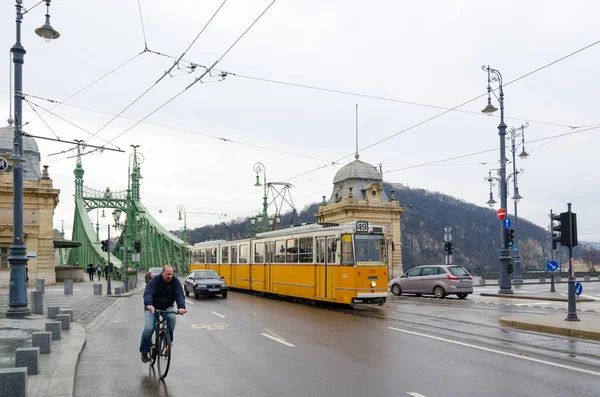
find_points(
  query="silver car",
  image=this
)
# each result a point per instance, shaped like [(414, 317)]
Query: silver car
[(439, 280)]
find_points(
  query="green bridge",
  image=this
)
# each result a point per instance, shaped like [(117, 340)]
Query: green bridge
[(139, 230)]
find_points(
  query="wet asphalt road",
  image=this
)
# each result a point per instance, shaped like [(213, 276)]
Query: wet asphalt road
[(264, 347)]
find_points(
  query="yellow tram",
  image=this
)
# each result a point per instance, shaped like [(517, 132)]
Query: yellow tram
[(322, 262)]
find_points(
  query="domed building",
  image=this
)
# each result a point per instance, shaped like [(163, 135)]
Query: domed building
[(39, 201), (358, 195)]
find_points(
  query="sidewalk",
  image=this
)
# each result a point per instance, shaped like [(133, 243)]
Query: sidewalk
[(588, 326), (56, 375)]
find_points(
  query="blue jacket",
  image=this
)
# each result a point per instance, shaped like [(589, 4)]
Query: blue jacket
[(162, 295)]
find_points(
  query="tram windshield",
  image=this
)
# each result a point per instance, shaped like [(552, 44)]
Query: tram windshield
[(369, 250)]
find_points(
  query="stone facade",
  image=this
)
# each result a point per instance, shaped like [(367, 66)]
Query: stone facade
[(39, 201), (359, 196)]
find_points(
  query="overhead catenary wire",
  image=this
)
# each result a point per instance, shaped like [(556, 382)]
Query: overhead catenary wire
[(41, 118), (223, 139), (142, 23), (63, 119), (198, 78), (143, 94)]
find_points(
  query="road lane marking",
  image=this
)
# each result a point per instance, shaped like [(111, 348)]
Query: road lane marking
[(217, 314), (277, 340), (414, 394), (190, 302), (589, 296), (211, 327), (533, 303), (585, 371)]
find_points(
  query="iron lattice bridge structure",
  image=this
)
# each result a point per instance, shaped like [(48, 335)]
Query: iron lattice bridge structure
[(158, 245)]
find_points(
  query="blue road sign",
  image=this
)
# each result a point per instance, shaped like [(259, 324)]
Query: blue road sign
[(506, 223), (578, 288), (516, 249), (552, 266)]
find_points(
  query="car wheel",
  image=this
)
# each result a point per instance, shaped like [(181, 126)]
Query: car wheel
[(187, 293), (462, 295), (439, 292), (224, 295), (396, 290), (196, 295)]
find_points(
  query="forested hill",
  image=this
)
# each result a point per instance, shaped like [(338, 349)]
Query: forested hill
[(475, 231)]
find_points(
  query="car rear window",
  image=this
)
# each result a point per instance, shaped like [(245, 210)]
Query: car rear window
[(458, 271)]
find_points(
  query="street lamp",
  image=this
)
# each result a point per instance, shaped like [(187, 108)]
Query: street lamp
[(514, 134), (17, 258), (262, 218), (494, 75), (181, 208)]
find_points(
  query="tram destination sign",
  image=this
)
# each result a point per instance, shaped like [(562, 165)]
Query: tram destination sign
[(362, 227)]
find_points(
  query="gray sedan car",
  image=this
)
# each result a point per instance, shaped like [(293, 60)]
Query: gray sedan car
[(437, 280)]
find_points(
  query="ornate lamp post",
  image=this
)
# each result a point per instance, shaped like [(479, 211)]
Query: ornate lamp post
[(494, 75), (17, 258), (514, 135), (180, 209), (263, 219)]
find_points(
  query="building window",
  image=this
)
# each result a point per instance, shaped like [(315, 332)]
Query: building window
[(4, 258)]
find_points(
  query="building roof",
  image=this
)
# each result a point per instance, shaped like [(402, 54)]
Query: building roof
[(31, 152), (352, 178), (358, 170)]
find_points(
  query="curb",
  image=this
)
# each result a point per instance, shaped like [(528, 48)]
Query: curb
[(62, 380), (557, 330), (539, 298)]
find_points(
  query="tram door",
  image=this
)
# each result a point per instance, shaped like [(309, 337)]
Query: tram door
[(325, 271), (269, 253)]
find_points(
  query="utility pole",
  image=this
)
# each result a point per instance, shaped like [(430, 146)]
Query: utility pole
[(108, 286), (552, 289)]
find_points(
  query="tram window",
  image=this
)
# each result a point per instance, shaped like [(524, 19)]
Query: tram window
[(224, 254), (280, 251), (291, 255), (320, 250), (213, 255), (259, 252), (347, 251), (243, 254), (234, 254), (305, 248), (331, 249), (201, 256)]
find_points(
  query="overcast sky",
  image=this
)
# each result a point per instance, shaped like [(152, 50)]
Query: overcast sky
[(427, 52)]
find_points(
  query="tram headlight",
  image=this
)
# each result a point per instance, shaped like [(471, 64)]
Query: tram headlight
[(373, 284)]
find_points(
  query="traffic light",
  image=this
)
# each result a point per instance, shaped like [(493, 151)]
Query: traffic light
[(510, 238), (104, 245), (510, 268), (567, 226), (137, 246), (448, 247)]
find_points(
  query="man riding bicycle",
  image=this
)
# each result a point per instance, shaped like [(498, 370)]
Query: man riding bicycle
[(161, 292)]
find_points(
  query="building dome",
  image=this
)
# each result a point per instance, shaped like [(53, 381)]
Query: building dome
[(358, 170), (352, 178), (31, 152)]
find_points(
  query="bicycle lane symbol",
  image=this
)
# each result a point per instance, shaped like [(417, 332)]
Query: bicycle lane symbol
[(211, 327)]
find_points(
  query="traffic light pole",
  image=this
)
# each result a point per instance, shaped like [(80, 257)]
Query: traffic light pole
[(552, 287), (572, 309)]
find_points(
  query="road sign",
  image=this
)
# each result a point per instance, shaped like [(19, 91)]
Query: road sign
[(448, 259), (506, 223), (516, 250), (501, 214), (3, 164), (447, 237), (447, 229), (552, 266), (578, 288)]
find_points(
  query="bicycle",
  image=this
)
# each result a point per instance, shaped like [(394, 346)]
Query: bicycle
[(161, 347)]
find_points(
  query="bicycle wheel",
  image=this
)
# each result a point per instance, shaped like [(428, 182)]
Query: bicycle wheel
[(154, 347), (164, 354)]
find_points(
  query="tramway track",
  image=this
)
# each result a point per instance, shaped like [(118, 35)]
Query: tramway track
[(517, 345)]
